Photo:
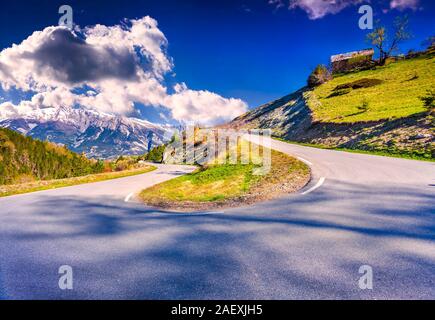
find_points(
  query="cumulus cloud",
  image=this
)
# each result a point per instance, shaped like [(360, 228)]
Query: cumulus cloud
[(316, 9), (108, 68), (189, 105), (68, 59)]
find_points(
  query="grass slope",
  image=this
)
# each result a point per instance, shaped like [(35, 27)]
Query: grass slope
[(226, 183), (210, 183), (8, 190), (378, 111), (398, 94)]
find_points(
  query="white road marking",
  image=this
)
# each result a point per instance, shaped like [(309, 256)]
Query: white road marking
[(305, 161), (127, 198), (318, 185)]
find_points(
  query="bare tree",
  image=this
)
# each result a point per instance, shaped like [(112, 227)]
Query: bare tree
[(379, 38)]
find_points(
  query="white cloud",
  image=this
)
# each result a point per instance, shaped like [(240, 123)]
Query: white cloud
[(404, 4), (116, 67), (9, 110), (316, 9), (202, 106)]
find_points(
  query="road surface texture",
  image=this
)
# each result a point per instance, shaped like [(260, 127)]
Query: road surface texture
[(358, 210)]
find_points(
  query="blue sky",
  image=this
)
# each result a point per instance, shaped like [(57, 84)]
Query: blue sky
[(251, 50)]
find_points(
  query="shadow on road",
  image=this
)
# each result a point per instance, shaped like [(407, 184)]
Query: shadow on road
[(294, 247)]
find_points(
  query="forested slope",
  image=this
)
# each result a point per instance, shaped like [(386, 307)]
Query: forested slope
[(24, 159)]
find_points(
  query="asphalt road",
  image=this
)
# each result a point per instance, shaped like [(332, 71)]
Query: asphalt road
[(358, 210)]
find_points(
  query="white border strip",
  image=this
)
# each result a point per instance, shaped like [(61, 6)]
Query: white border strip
[(318, 185)]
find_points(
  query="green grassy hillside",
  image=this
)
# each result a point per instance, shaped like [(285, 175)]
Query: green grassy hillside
[(386, 110), (387, 92), (23, 159)]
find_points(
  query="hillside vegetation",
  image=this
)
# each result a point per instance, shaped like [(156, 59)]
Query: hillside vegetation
[(387, 92), (12, 189), (23, 159), (155, 154), (387, 110)]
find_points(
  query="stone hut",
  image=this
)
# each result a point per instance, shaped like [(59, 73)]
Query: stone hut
[(347, 61)]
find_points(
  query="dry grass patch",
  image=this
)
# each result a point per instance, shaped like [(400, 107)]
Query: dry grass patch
[(8, 190)]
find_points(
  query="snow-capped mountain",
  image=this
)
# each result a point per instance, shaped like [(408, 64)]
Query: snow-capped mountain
[(97, 134)]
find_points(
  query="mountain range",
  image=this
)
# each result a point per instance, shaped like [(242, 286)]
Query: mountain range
[(97, 134)]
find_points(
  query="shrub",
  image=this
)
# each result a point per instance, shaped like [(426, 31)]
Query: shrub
[(364, 105), (108, 166), (155, 154), (122, 165), (320, 75), (429, 99)]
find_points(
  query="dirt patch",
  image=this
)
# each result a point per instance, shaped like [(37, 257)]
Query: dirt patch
[(359, 84)]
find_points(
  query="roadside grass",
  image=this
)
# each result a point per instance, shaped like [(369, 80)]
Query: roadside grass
[(413, 156), (226, 182), (208, 183), (387, 92), (8, 190)]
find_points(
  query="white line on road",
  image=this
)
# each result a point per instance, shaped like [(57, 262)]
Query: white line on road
[(305, 161), (318, 184), (127, 198)]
